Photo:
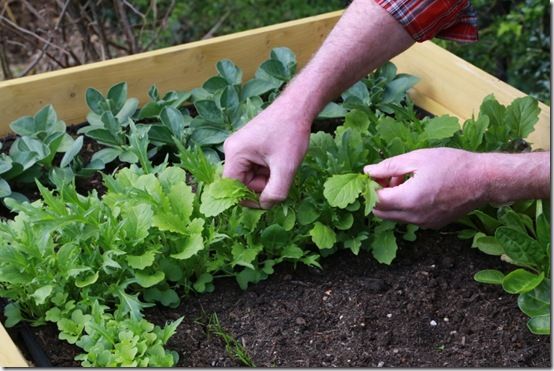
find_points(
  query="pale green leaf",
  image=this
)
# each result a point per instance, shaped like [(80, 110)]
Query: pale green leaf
[(323, 236)]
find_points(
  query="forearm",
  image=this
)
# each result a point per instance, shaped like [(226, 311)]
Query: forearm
[(365, 37), (512, 177)]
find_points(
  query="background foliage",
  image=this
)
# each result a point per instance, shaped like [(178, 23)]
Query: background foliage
[(514, 44), (514, 35)]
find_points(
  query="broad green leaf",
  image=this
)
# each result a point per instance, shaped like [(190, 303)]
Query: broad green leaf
[(221, 195), (275, 69), (487, 244), (520, 247), (331, 111), (292, 252), (539, 325), (537, 301), (473, 132), (343, 221), (148, 280), (168, 298), (150, 110), (307, 213), (521, 281), (274, 235), (47, 120), (128, 110), (249, 218), (189, 247), (5, 189), (141, 261), (208, 110), (323, 236), (138, 220), (245, 255), (370, 195), (72, 152), (215, 83), (95, 100), (359, 91), (390, 129), (173, 119), (172, 269), (494, 110), (229, 71), (491, 276), (286, 57), (117, 95), (87, 280), (13, 315), (397, 88), (522, 115), (256, 87), (383, 246), (40, 295), (248, 275), (103, 136), (204, 283), (490, 223), (358, 120), (106, 155), (355, 243), (441, 127), (5, 163), (343, 189), (229, 99), (24, 126)]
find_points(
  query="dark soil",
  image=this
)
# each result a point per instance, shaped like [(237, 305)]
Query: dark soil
[(357, 312)]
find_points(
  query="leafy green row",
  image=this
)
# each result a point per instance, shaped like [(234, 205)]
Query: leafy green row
[(520, 235), (92, 264)]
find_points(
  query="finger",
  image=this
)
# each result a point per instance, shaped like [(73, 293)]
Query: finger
[(395, 181), (251, 204), (395, 216), (395, 198), (383, 182), (391, 167), (236, 168), (258, 183), (277, 188)]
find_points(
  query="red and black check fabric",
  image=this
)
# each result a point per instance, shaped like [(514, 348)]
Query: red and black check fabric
[(425, 19)]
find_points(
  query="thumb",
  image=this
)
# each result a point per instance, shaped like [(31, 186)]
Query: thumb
[(277, 188), (391, 167)]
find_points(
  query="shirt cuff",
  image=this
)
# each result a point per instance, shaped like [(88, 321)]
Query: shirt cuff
[(424, 19)]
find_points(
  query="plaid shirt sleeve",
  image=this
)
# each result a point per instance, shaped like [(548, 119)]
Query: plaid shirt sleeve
[(424, 19)]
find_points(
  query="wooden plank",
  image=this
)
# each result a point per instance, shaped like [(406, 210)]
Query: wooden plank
[(10, 356), (451, 85), (181, 67)]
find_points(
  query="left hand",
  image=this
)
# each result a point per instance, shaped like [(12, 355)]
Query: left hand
[(446, 184)]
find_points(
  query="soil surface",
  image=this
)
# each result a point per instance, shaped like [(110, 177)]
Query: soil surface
[(425, 310)]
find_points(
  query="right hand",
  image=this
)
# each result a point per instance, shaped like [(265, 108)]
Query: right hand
[(265, 153)]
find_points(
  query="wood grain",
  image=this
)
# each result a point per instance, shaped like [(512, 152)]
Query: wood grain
[(10, 356), (449, 85)]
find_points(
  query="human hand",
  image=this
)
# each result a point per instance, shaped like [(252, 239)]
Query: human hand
[(265, 153), (445, 184)]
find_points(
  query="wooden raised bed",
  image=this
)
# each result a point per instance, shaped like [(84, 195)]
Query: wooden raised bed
[(449, 85)]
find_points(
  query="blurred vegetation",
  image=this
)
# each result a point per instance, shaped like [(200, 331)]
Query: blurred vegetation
[(194, 20), (514, 35), (514, 44)]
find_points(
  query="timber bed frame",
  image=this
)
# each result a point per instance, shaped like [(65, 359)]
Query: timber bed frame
[(448, 85)]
